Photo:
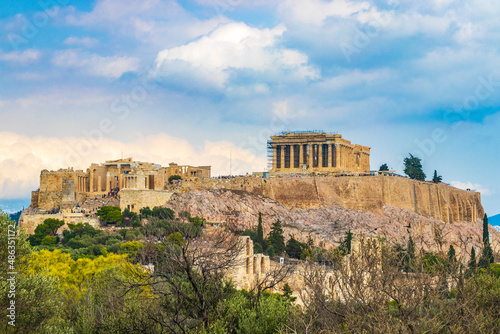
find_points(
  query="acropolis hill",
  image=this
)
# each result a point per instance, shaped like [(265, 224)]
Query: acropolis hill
[(313, 175)]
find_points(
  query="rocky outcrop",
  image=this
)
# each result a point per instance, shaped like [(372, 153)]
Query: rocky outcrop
[(327, 225), (367, 193)]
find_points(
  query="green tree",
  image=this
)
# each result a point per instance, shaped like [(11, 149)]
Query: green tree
[(174, 177), (294, 248), (486, 233), (409, 256), (270, 251), (132, 217), (287, 293), (452, 255), (384, 167), (413, 168), (472, 260), (146, 212), (49, 227), (436, 178), (257, 248), (486, 256), (163, 213), (346, 244), (110, 214), (276, 238), (260, 231), (49, 240)]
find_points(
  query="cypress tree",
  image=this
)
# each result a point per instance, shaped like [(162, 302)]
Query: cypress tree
[(260, 231), (472, 260), (486, 233), (451, 255), (348, 241)]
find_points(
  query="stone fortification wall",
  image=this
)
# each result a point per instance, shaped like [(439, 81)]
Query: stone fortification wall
[(135, 199), (367, 193), (29, 222), (239, 210)]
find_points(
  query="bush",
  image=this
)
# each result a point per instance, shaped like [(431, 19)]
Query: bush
[(49, 240), (115, 247), (257, 248), (270, 251), (130, 235), (110, 214)]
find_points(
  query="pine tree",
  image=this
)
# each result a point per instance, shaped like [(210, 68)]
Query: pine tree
[(384, 167), (260, 231), (276, 238), (437, 178), (413, 168)]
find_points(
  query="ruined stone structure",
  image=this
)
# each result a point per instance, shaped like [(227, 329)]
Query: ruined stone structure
[(66, 187), (250, 267), (317, 152)]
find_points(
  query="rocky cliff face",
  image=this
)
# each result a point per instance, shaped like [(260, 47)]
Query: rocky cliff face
[(370, 193), (327, 225)]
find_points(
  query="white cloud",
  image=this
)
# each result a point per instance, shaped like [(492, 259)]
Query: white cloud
[(234, 46), (22, 157), (472, 186), (315, 12), (110, 67), (25, 57), (153, 23), (87, 42)]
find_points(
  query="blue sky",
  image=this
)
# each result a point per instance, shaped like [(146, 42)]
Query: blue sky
[(196, 81)]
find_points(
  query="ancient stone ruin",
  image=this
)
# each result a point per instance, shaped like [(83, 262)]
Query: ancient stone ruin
[(311, 151)]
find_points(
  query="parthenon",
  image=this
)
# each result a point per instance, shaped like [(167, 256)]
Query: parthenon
[(311, 151)]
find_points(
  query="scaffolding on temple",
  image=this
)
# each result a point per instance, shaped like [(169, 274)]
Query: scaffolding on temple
[(269, 154), (304, 131)]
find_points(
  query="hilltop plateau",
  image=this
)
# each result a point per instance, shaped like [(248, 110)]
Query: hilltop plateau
[(328, 224)]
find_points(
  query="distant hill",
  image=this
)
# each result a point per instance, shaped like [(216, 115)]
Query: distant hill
[(494, 220), (15, 216)]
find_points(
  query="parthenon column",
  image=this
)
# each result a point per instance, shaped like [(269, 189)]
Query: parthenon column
[(320, 155), (339, 155), (292, 156), (301, 155), (334, 156), (310, 157), (283, 156), (275, 156)]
